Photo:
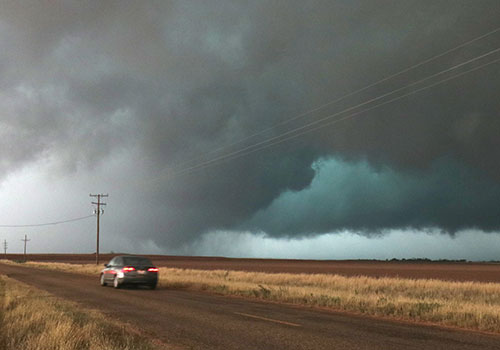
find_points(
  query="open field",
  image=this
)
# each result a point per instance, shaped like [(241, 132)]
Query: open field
[(184, 319), (459, 271), (32, 319), (469, 305)]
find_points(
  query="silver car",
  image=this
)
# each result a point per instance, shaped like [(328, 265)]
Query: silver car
[(129, 270)]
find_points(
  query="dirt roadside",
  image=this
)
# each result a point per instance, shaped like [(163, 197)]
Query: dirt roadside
[(202, 321)]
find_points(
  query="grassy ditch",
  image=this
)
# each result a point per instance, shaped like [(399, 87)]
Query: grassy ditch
[(469, 305), (31, 319)]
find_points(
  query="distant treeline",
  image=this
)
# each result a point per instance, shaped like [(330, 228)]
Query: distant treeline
[(437, 260)]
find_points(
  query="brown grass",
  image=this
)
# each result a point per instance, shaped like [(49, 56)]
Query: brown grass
[(449, 271), (470, 305), (31, 319)]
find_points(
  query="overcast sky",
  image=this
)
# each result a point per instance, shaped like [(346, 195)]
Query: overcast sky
[(217, 127)]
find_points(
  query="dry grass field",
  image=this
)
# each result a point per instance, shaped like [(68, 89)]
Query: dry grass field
[(31, 319), (470, 305), (449, 271)]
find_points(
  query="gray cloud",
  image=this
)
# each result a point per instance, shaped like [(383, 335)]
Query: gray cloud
[(84, 82), (358, 197)]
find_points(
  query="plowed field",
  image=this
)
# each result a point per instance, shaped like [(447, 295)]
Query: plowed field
[(460, 271)]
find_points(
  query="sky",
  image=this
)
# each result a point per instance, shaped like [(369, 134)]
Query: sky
[(277, 129)]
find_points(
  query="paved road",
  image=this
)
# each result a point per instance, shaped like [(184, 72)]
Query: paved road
[(188, 320)]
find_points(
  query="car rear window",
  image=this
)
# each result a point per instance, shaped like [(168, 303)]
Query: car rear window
[(136, 261), (114, 261)]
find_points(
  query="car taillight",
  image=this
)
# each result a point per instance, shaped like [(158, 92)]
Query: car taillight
[(153, 269), (128, 268)]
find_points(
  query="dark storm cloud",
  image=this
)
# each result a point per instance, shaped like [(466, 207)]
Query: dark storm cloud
[(82, 81), (359, 197)]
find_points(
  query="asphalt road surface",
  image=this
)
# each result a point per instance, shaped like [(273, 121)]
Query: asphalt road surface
[(188, 320)]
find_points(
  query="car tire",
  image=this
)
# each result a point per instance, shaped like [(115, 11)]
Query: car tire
[(152, 286), (116, 283), (103, 282)]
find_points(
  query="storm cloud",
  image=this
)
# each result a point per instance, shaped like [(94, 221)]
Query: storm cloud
[(165, 87), (360, 198)]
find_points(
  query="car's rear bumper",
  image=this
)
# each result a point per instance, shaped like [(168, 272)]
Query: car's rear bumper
[(138, 279)]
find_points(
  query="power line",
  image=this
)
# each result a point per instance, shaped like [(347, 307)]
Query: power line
[(343, 97), (299, 130), (204, 165), (358, 113), (50, 223)]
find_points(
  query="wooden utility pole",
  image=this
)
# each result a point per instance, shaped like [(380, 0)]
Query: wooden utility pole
[(25, 240), (5, 248), (98, 212)]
